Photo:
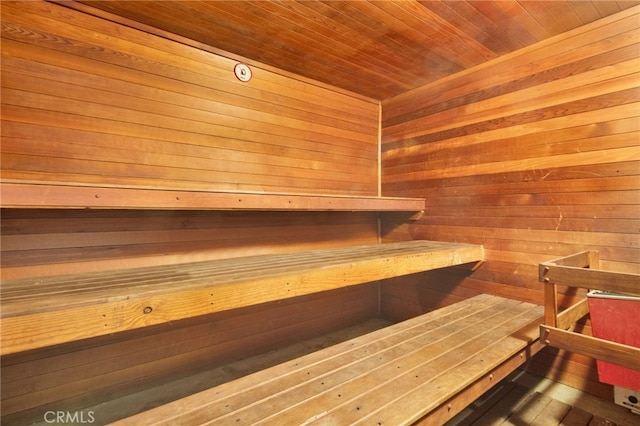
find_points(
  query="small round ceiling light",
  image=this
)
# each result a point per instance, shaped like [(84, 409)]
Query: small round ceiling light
[(242, 72)]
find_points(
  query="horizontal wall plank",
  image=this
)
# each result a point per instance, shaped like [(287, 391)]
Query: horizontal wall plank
[(599, 37), (199, 59), (570, 90), (588, 137)]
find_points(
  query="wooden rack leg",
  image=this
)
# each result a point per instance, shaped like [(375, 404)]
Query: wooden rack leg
[(550, 301)]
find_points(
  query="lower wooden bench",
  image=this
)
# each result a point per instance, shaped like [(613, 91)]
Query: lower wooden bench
[(39, 312), (426, 369)]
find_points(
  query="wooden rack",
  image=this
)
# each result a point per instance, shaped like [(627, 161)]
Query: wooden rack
[(581, 270)]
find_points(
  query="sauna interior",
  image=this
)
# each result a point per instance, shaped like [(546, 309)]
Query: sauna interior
[(168, 135)]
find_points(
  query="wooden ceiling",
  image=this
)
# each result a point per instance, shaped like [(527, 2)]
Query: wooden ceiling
[(375, 48)]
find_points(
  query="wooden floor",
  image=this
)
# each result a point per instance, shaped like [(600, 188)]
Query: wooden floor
[(526, 399), (521, 399)]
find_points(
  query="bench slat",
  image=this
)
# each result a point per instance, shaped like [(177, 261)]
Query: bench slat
[(45, 311), (391, 376)]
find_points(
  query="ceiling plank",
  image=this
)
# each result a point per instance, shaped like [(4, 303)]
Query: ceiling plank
[(378, 49)]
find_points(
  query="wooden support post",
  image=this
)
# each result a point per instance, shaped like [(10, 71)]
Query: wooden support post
[(594, 259), (550, 297), (550, 304)]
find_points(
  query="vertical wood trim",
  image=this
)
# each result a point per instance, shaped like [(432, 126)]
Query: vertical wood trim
[(379, 149), (379, 290)]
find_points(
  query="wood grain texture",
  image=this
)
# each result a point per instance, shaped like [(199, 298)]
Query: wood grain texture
[(39, 312), (575, 370), (378, 49), (88, 101), (341, 384), (65, 196), (40, 242), (616, 353), (534, 154)]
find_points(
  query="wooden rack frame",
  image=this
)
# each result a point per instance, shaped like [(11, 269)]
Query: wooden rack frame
[(581, 270)]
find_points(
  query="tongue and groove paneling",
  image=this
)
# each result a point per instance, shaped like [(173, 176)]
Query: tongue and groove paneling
[(535, 154), (87, 101)]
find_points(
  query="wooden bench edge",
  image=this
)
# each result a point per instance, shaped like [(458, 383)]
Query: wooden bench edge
[(68, 196)]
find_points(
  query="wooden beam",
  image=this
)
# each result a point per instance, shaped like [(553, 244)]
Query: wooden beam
[(569, 316), (615, 353), (579, 260), (30, 195), (617, 282)]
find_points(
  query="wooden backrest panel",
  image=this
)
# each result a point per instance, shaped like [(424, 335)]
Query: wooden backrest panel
[(53, 242), (535, 155), (85, 100)]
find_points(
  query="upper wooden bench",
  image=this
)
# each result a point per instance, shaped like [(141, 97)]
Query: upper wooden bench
[(425, 369), (39, 312), (37, 195)]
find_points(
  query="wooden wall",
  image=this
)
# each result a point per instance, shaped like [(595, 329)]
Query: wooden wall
[(86, 101), (53, 242), (535, 155)]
